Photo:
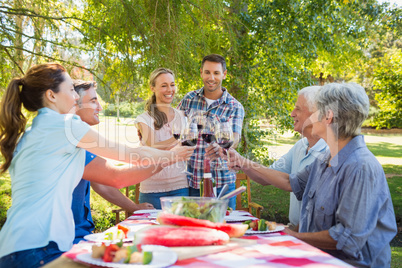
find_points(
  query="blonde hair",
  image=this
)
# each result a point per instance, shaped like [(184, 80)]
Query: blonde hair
[(159, 117)]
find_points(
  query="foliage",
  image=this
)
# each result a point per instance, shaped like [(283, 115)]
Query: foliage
[(273, 48), (126, 109), (388, 82), (5, 196), (101, 212)]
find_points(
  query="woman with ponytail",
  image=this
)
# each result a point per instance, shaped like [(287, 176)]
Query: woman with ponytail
[(46, 162), (155, 130)]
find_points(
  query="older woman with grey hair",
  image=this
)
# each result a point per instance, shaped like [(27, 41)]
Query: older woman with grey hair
[(347, 209)]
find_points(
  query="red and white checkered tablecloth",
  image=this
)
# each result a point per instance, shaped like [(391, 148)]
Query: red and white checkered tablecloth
[(271, 250)]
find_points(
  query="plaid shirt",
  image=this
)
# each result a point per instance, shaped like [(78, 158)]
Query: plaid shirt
[(222, 109)]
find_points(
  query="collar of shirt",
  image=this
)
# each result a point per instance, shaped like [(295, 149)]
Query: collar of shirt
[(222, 99), (319, 149), (337, 161)]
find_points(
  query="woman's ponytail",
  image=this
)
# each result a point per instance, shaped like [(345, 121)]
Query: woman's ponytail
[(159, 117), (12, 121), (34, 84)]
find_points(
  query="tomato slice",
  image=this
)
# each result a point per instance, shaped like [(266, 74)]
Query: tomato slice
[(109, 252), (124, 229)]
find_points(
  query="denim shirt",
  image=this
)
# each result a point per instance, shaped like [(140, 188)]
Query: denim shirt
[(294, 161), (351, 199), (81, 206)]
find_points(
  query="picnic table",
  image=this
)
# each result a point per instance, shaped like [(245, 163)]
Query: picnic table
[(275, 249)]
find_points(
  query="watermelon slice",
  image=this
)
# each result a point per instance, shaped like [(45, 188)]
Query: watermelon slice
[(172, 236), (233, 230)]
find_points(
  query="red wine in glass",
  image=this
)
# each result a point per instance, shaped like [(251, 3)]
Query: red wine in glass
[(208, 137), (176, 136), (225, 143), (192, 142)]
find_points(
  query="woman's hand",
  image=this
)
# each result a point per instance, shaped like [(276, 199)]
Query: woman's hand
[(181, 153), (213, 151)]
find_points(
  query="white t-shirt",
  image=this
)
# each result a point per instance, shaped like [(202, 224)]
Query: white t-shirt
[(209, 101), (46, 167), (171, 177)]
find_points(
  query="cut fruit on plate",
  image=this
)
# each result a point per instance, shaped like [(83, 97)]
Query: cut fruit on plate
[(277, 229), (162, 257), (113, 233)]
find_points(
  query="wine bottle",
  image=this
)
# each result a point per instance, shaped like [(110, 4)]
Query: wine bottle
[(207, 182)]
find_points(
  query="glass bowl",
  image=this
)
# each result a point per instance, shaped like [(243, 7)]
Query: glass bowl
[(205, 208)]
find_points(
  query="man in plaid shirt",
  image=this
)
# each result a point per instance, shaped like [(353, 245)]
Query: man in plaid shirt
[(216, 103)]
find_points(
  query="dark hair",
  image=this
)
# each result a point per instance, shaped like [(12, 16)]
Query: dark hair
[(34, 84), (160, 118), (80, 86), (214, 58)]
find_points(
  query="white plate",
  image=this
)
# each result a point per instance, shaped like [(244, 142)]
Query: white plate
[(151, 211), (239, 213), (239, 218), (100, 237), (162, 257), (153, 214), (278, 228)]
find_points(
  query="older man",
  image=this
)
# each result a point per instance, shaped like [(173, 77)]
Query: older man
[(96, 167), (305, 151)]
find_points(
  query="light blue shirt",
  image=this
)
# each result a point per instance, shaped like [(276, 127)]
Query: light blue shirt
[(45, 169), (294, 161), (351, 199)]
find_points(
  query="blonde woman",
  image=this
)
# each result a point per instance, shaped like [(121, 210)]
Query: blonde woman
[(155, 127)]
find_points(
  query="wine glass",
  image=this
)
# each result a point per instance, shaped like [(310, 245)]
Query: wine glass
[(198, 118), (189, 137), (180, 131), (224, 137), (178, 127), (208, 130)]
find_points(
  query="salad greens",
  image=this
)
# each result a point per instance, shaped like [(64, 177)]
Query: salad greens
[(212, 211)]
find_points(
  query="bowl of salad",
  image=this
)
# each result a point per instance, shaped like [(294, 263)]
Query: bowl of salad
[(206, 208)]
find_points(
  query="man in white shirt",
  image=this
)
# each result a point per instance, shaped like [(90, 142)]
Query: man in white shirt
[(305, 151)]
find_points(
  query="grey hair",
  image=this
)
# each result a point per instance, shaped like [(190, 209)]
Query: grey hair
[(81, 87), (350, 105), (310, 93)]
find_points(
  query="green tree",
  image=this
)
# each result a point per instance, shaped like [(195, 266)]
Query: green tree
[(388, 82)]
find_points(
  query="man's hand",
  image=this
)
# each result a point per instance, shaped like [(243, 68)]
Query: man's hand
[(141, 206), (236, 161), (290, 232)]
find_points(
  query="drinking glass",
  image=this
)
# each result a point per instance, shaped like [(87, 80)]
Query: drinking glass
[(208, 130), (198, 118), (224, 137), (189, 137)]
